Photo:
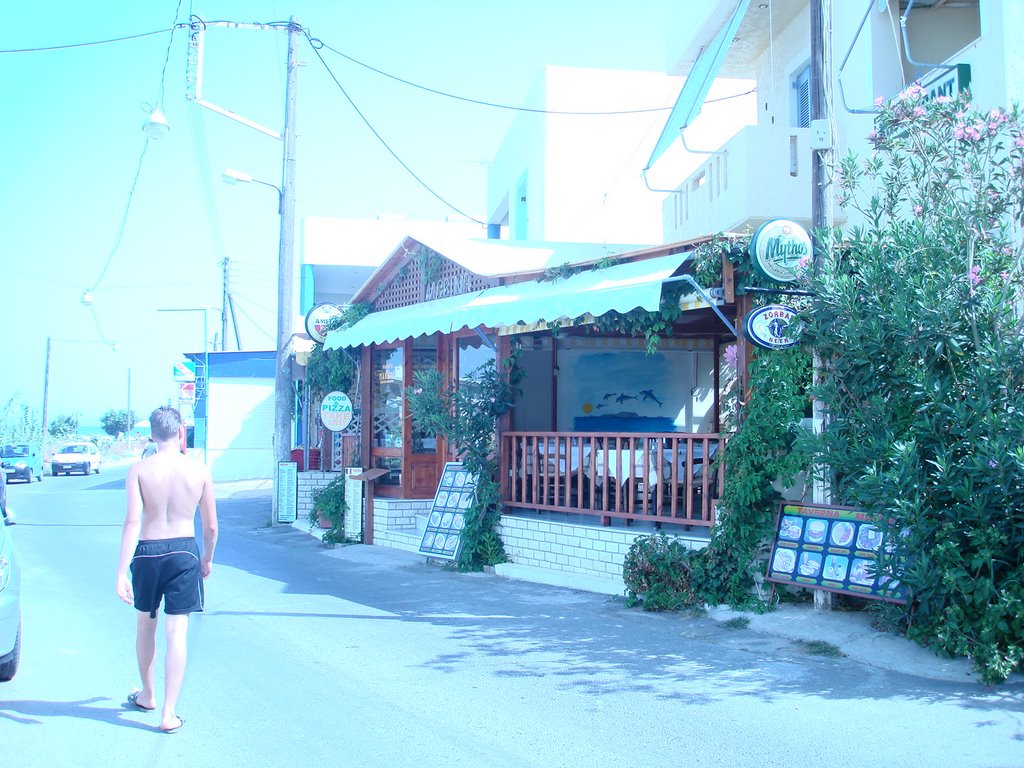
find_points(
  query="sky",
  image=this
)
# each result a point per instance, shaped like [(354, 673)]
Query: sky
[(88, 205)]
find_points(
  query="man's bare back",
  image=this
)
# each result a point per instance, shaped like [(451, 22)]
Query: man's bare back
[(170, 487)]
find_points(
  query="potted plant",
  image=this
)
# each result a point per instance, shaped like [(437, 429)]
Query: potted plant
[(329, 510)]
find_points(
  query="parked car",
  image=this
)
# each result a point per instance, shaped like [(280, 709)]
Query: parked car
[(22, 461), (10, 606), (76, 457)]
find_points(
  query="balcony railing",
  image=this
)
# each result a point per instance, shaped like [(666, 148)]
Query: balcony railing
[(762, 173), (670, 477)]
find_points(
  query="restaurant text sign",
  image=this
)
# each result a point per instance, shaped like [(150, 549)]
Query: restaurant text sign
[(830, 548)]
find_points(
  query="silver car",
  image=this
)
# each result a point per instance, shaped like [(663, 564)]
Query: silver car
[(10, 604)]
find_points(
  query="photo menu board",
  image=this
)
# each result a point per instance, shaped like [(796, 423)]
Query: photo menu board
[(830, 548), (455, 493)]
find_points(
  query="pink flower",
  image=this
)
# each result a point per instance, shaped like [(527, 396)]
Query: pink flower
[(992, 463), (879, 101), (974, 275), (1019, 141), (803, 263), (730, 355), (918, 111), (918, 210), (943, 100), (1004, 275)]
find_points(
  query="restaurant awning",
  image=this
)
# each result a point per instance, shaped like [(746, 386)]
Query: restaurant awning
[(698, 82), (621, 287)]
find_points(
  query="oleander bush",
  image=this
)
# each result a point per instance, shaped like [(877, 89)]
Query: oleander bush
[(917, 316)]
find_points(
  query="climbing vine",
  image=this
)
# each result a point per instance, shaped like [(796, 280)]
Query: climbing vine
[(766, 452), (430, 263), (329, 370), (467, 416)]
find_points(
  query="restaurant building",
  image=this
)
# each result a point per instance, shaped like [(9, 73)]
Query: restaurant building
[(605, 439)]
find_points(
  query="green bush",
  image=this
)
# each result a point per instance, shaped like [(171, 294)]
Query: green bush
[(329, 502), (659, 572), (917, 316)]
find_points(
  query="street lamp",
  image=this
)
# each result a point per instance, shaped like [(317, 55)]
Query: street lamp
[(156, 126), (206, 370), (231, 176)]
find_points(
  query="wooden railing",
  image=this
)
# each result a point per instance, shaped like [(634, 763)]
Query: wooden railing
[(664, 477)]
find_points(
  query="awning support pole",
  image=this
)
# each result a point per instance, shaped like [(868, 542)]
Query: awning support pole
[(487, 341), (706, 297)]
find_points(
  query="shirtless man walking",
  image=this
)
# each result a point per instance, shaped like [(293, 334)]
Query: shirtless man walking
[(158, 544)]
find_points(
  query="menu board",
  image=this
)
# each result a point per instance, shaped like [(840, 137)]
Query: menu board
[(830, 548), (287, 491), (455, 494)]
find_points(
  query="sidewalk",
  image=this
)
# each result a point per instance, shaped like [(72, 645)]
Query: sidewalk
[(848, 631)]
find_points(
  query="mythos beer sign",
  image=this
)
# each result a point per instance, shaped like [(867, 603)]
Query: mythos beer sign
[(777, 247), (773, 327), (319, 319)]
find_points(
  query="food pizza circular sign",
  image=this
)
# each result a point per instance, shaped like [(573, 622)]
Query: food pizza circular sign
[(336, 411)]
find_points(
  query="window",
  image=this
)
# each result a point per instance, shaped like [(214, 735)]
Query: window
[(388, 397), (801, 98), (473, 352), (424, 358)]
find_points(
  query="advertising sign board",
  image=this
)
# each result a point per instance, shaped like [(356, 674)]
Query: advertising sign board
[(318, 321), (455, 493), (336, 411), (773, 327), (830, 548), (777, 247)]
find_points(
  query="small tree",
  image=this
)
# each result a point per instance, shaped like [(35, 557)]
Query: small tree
[(468, 417), (115, 423), (19, 423), (63, 427)]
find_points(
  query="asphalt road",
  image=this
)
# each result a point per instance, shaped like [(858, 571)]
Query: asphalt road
[(361, 656)]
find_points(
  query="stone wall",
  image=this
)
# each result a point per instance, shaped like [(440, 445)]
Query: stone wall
[(587, 550)]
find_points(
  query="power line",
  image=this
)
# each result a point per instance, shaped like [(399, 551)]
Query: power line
[(380, 138), (481, 102), (87, 44)]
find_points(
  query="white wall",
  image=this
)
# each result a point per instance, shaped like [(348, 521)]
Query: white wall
[(240, 428), (582, 173)]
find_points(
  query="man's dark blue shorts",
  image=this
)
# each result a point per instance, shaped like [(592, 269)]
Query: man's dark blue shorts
[(168, 569)]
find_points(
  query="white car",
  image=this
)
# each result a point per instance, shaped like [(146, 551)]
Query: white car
[(10, 605), (76, 457)]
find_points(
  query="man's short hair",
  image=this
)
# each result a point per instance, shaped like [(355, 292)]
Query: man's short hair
[(164, 423)]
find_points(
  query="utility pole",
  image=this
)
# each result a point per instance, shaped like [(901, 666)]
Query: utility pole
[(821, 201), (284, 397), (224, 306), (46, 388), (283, 393), (821, 109)]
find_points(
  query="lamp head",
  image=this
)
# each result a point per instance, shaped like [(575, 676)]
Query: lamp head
[(156, 127), (231, 176)]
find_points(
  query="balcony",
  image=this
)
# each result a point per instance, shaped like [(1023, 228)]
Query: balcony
[(763, 173)]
